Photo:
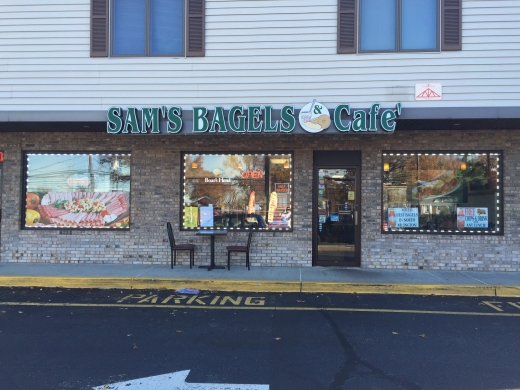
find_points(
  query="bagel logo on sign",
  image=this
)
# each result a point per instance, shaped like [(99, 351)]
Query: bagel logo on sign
[(314, 117)]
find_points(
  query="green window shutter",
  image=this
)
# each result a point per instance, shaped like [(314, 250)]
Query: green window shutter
[(196, 31), (347, 27), (451, 25), (99, 28)]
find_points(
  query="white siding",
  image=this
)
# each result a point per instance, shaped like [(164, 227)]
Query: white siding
[(257, 52)]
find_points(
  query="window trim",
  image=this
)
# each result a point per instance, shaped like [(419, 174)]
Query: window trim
[(500, 193), (234, 152), (398, 31)]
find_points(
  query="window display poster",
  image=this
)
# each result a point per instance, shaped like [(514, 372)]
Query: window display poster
[(472, 217), (191, 216), (273, 204), (77, 191), (400, 218), (206, 216)]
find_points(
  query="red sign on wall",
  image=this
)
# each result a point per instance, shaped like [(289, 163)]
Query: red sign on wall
[(281, 188), (1, 156)]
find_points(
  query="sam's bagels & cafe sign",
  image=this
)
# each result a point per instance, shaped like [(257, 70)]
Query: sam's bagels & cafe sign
[(312, 118)]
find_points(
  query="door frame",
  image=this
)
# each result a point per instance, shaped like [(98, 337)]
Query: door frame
[(350, 160)]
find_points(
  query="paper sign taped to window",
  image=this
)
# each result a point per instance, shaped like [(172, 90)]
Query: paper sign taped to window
[(206, 216)]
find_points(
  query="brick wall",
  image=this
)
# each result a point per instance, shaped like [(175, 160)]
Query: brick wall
[(155, 199)]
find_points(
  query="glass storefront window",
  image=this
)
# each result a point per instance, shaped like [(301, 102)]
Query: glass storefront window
[(442, 192), (232, 191), (80, 190)]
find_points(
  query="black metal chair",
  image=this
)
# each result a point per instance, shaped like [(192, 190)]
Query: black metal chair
[(244, 249), (182, 247)]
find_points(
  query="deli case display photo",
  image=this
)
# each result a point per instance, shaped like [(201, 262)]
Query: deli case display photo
[(77, 191)]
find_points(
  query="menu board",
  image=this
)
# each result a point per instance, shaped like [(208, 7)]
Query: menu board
[(472, 217), (206, 216), (400, 218)]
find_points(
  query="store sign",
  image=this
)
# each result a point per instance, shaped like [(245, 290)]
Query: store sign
[(84, 182), (252, 174), (1, 156), (472, 217), (281, 188), (312, 118), (431, 91), (401, 218)]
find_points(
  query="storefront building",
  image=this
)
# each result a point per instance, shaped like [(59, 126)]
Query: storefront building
[(372, 153)]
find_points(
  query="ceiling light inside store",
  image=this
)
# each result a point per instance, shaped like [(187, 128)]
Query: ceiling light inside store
[(278, 160)]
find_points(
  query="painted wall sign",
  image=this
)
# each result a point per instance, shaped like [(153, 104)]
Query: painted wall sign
[(314, 117)]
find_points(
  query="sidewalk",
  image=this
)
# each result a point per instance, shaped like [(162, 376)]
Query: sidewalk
[(262, 279)]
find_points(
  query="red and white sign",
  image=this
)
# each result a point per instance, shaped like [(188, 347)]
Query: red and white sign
[(428, 91)]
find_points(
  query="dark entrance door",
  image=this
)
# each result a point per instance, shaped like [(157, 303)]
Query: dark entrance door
[(336, 222)]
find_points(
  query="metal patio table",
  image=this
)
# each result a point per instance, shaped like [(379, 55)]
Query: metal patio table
[(212, 233)]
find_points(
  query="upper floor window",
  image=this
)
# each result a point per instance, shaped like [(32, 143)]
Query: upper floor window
[(147, 28), (366, 26), (399, 25)]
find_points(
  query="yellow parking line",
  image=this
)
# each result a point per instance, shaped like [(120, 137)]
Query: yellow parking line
[(283, 308)]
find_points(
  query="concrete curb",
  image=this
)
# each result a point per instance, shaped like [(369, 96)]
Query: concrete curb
[(260, 286), (149, 283), (402, 289)]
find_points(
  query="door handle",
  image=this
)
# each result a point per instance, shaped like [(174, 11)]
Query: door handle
[(355, 217)]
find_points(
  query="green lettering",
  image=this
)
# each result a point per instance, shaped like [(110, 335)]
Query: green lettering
[(360, 121), (288, 119), (268, 116), (174, 117), (387, 117), (218, 120), (150, 119), (131, 120), (115, 123), (200, 122), (241, 127), (337, 117), (252, 117), (373, 116)]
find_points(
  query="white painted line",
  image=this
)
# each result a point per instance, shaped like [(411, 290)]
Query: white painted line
[(145, 271), (478, 280), (175, 381)]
